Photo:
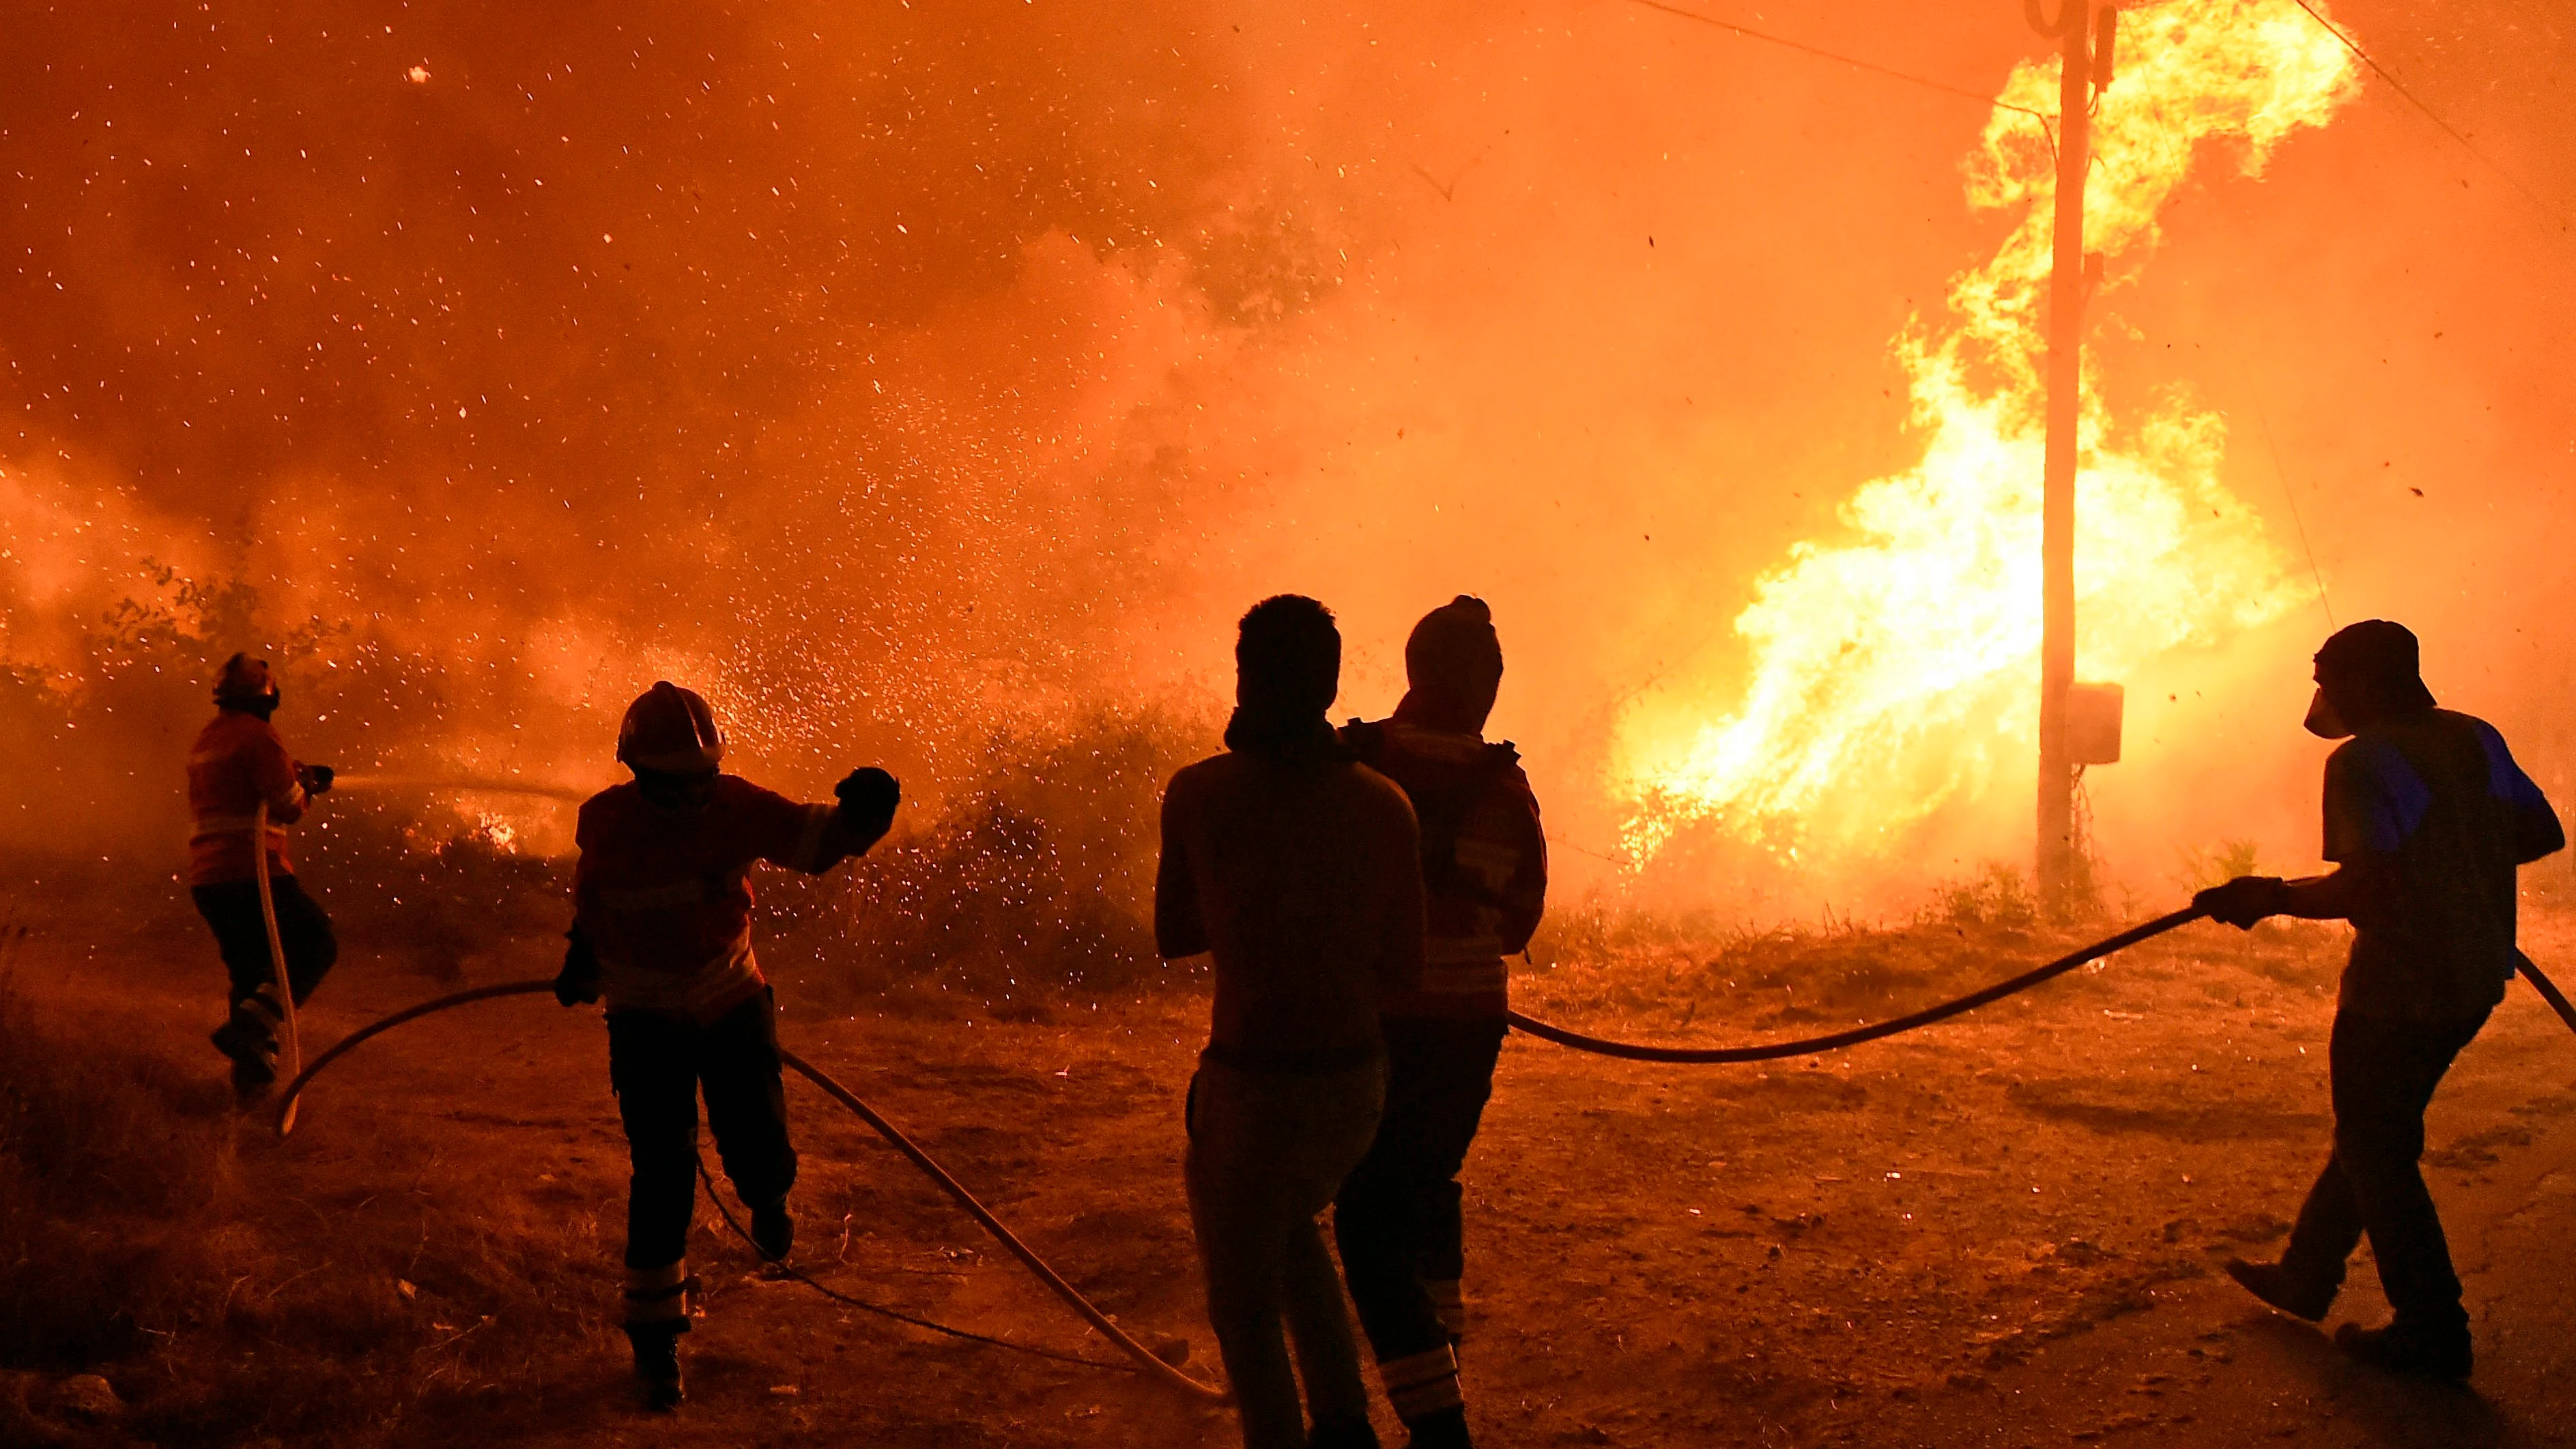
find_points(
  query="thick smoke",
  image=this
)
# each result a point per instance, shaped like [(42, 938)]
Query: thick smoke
[(907, 374)]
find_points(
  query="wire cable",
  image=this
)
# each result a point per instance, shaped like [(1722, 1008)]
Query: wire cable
[(1855, 62), (898, 1315), (2547, 212), (2263, 421)]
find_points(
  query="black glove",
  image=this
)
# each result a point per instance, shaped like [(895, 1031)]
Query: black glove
[(316, 779), (2242, 901), (578, 982), (869, 796)]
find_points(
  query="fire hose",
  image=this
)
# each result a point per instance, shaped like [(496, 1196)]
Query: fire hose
[(1145, 1359), (293, 1044), (1808, 1046)]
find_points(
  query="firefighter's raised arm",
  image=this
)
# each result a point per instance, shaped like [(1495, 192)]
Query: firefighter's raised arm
[(868, 799)]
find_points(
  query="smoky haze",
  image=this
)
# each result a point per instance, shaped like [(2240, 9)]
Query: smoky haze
[(901, 375)]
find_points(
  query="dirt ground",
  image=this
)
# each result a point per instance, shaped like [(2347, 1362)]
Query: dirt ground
[(2003, 1230)]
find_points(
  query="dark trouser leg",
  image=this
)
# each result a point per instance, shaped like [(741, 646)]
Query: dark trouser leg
[(2329, 1228), (747, 1102), (305, 932), (1397, 1216), (231, 911), (653, 1066), (2385, 1073), (1265, 1154), (249, 1033)]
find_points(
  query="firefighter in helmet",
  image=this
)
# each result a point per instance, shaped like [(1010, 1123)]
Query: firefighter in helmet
[(240, 764), (1484, 880), (662, 930)]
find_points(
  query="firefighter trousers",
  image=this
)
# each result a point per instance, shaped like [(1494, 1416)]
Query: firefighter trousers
[(241, 936), (658, 1065), (1397, 1217)]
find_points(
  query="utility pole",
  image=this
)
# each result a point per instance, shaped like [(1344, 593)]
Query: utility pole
[(2066, 296)]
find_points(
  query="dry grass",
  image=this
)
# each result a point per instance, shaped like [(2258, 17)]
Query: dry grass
[(137, 1240)]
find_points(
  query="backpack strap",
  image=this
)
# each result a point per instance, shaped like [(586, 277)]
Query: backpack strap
[(1365, 740), (1446, 815)]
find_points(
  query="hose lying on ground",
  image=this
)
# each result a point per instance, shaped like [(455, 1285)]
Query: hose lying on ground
[(879, 1309), (1144, 1358), (1772, 1051)]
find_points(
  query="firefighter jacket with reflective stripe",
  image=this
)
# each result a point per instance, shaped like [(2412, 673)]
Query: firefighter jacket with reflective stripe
[(1484, 861), (239, 764), (664, 896)]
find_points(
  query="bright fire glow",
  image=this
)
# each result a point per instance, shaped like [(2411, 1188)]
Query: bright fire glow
[(1894, 671)]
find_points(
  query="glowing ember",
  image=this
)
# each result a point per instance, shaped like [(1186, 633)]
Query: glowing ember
[(1895, 673)]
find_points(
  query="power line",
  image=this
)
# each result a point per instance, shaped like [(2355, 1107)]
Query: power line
[(2264, 422), (1855, 62), (2547, 211)]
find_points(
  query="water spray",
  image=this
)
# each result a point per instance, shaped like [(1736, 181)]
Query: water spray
[(460, 785)]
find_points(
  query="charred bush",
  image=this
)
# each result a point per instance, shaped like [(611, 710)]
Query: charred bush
[(1033, 882)]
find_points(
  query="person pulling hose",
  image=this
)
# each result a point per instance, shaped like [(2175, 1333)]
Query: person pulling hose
[(2426, 817), (1397, 1218), (662, 931)]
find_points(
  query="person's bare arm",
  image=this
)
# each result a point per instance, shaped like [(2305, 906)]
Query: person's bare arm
[(2334, 896), (1179, 929)]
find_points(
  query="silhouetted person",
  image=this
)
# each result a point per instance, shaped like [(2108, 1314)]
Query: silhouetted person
[(1484, 874), (1297, 869), (2426, 817), (662, 928), (239, 764)]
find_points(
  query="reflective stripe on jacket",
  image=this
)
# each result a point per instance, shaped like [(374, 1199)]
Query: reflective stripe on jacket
[(239, 763), (1484, 861)]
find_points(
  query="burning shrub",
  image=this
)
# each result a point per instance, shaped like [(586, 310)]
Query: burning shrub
[(2216, 864), (430, 893), (1996, 897)]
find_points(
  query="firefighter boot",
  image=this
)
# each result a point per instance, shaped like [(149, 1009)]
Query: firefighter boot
[(1356, 1435), (773, 1232), (657, 1362), (245, 1040), (1442, 1429), (2409, 1348)]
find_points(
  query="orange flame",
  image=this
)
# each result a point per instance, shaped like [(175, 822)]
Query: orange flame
[(1893, 674)]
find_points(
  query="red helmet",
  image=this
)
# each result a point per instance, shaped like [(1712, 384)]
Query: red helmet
[(670, 729), (244, 681)]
